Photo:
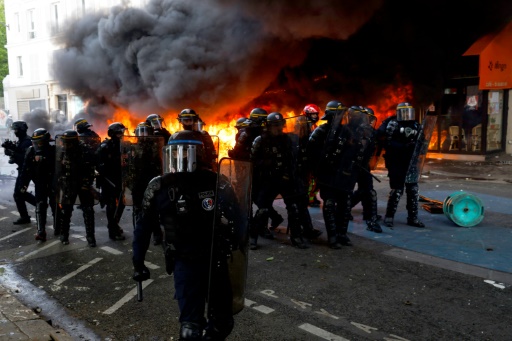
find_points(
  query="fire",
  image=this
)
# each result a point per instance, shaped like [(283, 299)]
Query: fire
[(391, 96)]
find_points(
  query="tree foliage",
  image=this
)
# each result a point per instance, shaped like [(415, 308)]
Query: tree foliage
[(4, 66)]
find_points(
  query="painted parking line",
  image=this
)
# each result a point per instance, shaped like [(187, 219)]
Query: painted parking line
[(28, 255), (321, 333), (15, 233), (77, 271), (129, 296), (111, 250)]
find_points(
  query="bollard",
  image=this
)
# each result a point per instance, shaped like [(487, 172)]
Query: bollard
[(463, 209)]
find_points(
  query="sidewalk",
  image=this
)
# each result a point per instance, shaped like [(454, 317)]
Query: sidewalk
[(18, 322)]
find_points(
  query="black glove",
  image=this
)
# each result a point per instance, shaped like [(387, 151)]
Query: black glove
[(9, 152), (141, 273)]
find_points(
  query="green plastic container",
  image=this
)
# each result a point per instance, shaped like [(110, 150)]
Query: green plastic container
[(463, 209)]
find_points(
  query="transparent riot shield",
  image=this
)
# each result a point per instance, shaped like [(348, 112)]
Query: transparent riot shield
[(68, 170), (232, 216), (141, 161), (421, 148)]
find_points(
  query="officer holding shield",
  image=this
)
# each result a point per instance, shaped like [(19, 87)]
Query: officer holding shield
[(200, 215)]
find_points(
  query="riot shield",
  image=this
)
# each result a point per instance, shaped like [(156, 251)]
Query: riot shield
[(89, 145), (141, 161), (68, 170), (233, 210), (421, 148)]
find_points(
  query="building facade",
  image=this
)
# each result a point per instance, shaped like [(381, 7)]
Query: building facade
[(32, 27)]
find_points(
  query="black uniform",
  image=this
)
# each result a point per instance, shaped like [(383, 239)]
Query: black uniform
[(40, 168), (17, 156), (110, 181), (337, 152), (184, 205), (274, 173), (398, 138)]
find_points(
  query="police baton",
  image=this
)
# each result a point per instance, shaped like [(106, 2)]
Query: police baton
[(139, 291), (367, 171)]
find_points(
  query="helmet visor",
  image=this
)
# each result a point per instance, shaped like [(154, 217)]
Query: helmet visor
[(180, 156), (142, 131), (38, 145), (157, 123), (405, 114)]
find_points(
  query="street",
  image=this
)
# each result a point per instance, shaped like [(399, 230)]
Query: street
[(443, 282)]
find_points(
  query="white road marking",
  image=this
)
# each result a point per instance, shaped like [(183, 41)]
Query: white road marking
[(321, 333), (15, 213), (151, 265), (491, 282), (111, 250), (126, 298), (3, 218), (77, 271), (263, 309), (37, 251), (15, 233), (2, 207), (249, 303)]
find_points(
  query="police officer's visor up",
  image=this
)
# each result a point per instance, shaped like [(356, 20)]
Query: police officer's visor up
[(181, 156)]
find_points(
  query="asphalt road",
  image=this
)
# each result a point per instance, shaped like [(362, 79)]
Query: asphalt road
[(404, 284)]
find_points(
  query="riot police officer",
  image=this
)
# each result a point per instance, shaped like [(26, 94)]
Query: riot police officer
[(144, 163), (74, 178), (16, 152), (157, 123), (274, 171), (89, 143), (190, 120), (398, 136), (337, 149), (110, 178), (184, 201), (365, 192), (39, 166)]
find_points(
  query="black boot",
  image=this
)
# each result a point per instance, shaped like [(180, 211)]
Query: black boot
[(22, 220), (329, 214), (370, 211), (309, 232), (88, 213), (393, 200), (343, 219), (295, 228), (261, 223), (413, 196), (275, 219), (190, 331)]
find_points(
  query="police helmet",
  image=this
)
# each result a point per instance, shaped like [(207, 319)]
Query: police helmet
[(357, 115), (19, 125), (143, 129), (258, 115), (241, 122), (184, 152), (156, 121), (116, 128), (405, 112), (275, 118), (331, 109), (69, 138), (81, 125), (40, 139), (371, 116), (312, 112)]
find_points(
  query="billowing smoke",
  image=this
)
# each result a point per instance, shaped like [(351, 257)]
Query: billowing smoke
[(212, 56), (223, 56)]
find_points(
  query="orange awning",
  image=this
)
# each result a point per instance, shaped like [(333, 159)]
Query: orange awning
[(495, 65)]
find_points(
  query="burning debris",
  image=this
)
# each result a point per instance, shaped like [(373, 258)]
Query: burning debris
[(224, 57)]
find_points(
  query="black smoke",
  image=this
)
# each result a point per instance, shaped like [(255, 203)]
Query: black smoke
[(226, 56)]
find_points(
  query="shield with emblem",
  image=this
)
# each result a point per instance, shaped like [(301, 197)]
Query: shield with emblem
[(231, 226)]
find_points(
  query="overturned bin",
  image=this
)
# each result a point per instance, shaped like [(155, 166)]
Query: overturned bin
[(464, 209)]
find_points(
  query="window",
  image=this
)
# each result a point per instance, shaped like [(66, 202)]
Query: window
[(20, 66), (17, 22), (54, 15), (31, 24)]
